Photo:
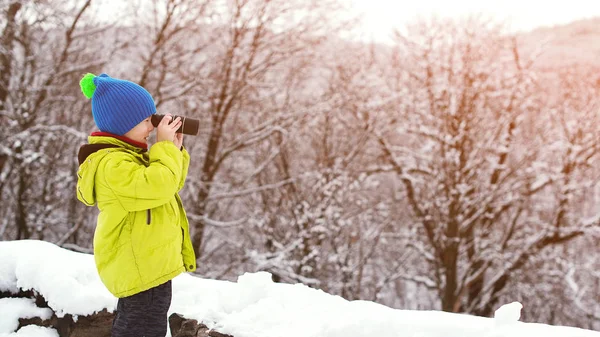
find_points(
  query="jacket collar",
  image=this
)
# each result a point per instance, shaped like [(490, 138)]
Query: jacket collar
[(102, 140), (124, 139)]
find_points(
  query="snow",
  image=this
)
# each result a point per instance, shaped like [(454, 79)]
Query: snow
[(11, 309), (508, 314), (67, 280), (251, 307), (32, 331)]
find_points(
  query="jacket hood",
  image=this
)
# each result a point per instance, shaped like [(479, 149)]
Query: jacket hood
[(89, 157)]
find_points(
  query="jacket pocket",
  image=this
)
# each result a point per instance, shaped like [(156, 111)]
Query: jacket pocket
[(148, 216)]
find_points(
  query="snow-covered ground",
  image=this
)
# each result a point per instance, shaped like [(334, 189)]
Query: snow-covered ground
[(253, 306)]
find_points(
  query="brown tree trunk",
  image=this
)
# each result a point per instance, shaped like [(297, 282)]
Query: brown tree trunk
[(206, 179), (6, 41), (450, 268), (21, 214)]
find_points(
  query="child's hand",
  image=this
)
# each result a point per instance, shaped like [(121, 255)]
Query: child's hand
[(166, 131), (178, 140)]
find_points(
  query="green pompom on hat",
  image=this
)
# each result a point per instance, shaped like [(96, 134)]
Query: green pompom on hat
[(87, 85)]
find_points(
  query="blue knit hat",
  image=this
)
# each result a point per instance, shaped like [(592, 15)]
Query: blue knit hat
[(117, 105)]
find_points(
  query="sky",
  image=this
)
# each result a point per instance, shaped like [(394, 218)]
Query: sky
[(381, 16), (253, 306)]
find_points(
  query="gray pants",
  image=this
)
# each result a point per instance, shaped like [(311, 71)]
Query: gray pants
[(143, 314)]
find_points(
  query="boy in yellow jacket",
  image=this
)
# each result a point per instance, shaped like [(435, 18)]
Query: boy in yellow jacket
[(142, 239)]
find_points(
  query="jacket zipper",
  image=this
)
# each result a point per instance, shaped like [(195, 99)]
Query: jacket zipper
[(149, 216)]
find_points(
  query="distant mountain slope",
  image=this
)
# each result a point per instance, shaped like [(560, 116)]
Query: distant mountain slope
[(575, 43)]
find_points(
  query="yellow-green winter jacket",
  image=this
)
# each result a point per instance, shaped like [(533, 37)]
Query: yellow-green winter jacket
[(142, 234)]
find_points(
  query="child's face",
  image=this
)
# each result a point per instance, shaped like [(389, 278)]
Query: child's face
[(140, 132)]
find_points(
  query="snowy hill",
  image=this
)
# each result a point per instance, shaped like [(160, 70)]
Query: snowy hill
[(575, 43), (253, 306)]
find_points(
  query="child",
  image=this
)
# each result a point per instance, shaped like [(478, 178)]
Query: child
[(142, 238)]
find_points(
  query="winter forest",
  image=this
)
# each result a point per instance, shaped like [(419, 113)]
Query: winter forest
[(449, 170)]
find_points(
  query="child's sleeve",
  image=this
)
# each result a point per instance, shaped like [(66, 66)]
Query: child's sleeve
[(186, 165), (138, 187)]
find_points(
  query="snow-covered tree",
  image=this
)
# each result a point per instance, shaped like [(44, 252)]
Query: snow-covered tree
[(325, 227), (472, 176), (241, 94), (569, 198), (44, 48)]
